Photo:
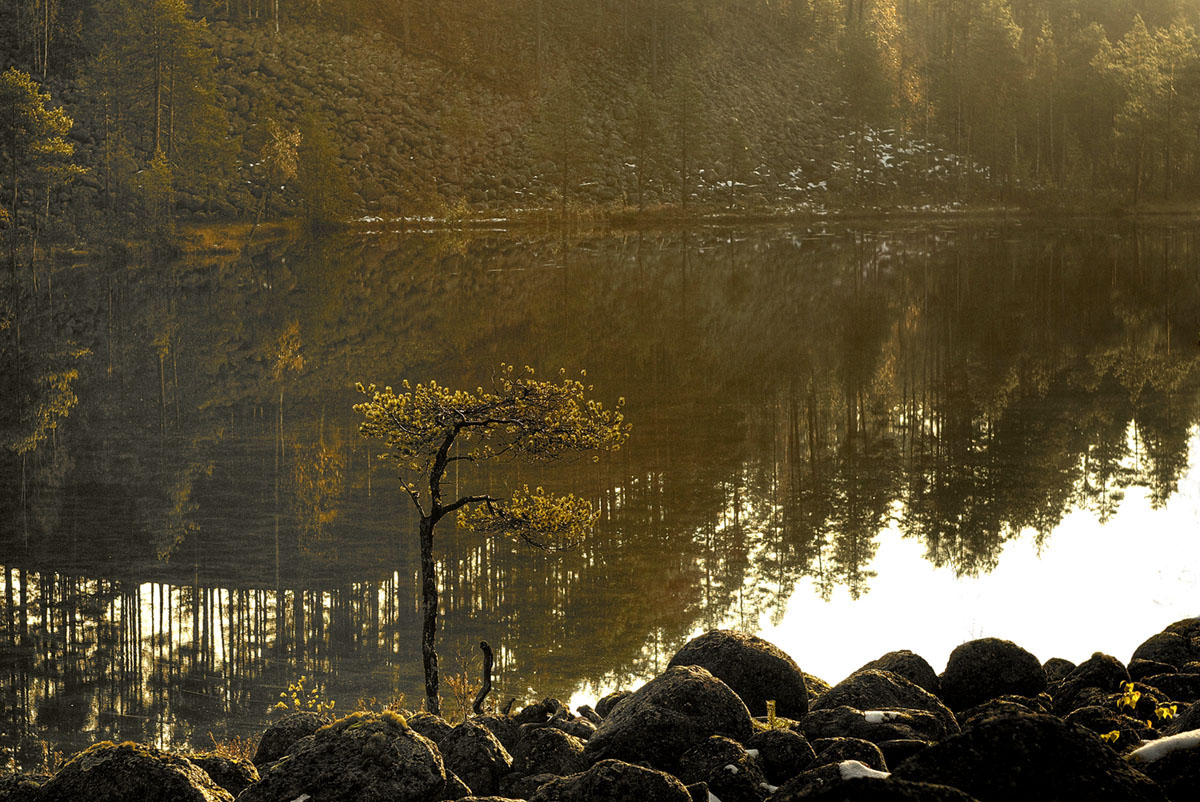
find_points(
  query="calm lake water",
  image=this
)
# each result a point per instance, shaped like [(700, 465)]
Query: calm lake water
[(848, 439)]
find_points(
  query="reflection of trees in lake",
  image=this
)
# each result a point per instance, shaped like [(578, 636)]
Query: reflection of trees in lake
[(792, 398)]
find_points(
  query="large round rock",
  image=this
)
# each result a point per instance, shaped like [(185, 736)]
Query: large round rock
[(277, 739), (365, 757), (130, 772), (910, 665), (669, 715), (756, 670), (614, 781), (872, 689), (472, 752), (983, 669), (1032, 757)]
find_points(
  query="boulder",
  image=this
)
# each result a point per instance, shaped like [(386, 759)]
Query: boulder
[(1178, 686), (1141, 668), (515, 785), (278, 738), (873, 689), (815, 686), (454, 789), (872, 725), (129, 772), (839, 750), (1171, 648), (756, 670), (19, 788), (910, 665), (1099, 672), (231, 773), (886, 789), (1174, 763), (1188, 627), (821, 778), (669, 715), (900, 750), (476, 756), (983, 669), (548, 751), (783, 753), (1057, 668), (1186, 719), (1030, 757), (507, 731), (728, 770), (433, 727), (365, 757), (1103, 720), (614, 781), (539, 712), (995, 707)]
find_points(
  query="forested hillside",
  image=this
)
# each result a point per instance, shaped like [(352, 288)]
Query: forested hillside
[(249, 109)]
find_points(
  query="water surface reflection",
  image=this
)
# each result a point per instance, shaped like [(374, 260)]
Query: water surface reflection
[(204, 524)]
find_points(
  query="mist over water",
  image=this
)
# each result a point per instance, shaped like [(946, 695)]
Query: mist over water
[(849, 439)]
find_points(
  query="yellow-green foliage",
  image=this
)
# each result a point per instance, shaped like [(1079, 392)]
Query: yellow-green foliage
[(1129, 697), (519, 416), (300, 698)]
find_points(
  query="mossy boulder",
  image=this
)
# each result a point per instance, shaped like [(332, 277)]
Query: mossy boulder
[(756, 670), (233, 774), (277, 739), (986, 668), (669, 715), (364, 757), (614, 781), (129, 772)]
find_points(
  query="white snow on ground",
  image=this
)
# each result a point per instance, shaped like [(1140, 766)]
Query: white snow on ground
[(854, 768), (1156, 750)]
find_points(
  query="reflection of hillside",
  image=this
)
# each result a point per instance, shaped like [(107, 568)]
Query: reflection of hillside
[(792, 397)]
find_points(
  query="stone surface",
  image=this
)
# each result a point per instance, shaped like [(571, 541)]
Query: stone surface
[(108, 772), (1029, 757), (232, 774), (548, 751), (476, 756), (1178, 686), (1057, 668), (1101, 672), (614, 781), (872, 789), (668, 715), (1177, 771), (278, 738), (873, 689), (726, 768), (839, 750), (874, 725), (816, 780), (435, 728), (1104, 720), (608, 702), (756, 670), (783, 753), (910, 665), (983, 669), (365, 757), (1172, 648)]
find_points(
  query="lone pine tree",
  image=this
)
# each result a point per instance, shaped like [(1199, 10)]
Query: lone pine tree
[(519, 417)]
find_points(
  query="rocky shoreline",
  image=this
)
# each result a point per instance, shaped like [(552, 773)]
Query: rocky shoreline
[(732, 719)]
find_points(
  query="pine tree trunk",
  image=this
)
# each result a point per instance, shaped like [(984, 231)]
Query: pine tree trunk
[(429, 610)]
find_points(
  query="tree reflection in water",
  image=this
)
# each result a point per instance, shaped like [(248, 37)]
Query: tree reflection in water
[(794, 394)]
